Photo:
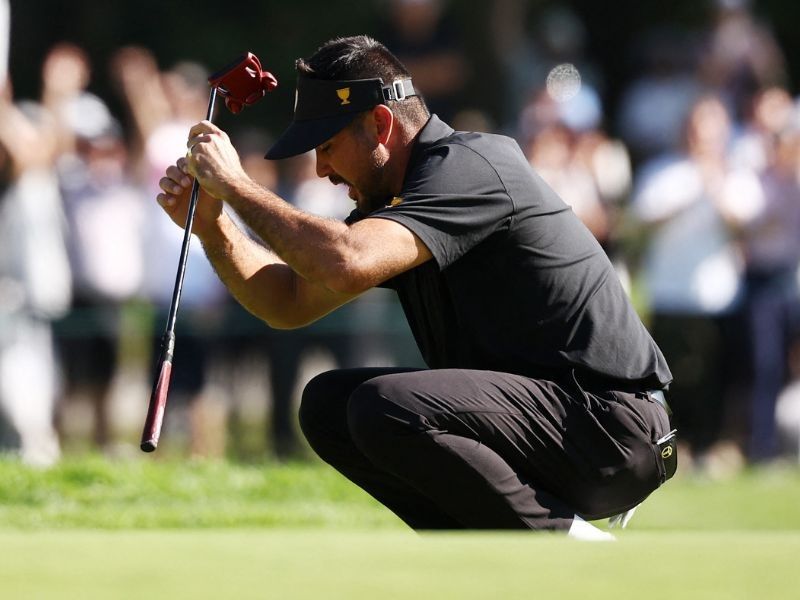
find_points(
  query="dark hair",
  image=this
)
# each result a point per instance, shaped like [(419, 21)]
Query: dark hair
[(362, 57)]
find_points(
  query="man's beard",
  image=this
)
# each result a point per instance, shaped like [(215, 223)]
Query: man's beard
[(371, 195), (370, 204)]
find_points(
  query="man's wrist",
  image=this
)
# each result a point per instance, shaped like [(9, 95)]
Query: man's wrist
[(241, 190), (214, 231)]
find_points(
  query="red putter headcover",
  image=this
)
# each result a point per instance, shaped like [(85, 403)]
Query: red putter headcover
[(243, 82)]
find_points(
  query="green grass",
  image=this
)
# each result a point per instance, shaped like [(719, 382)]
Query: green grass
[(145, 494), (394, 564), (93, 528), (93, 492)]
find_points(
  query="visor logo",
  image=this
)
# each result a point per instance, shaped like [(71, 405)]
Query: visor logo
[(344, 95), (666, 452)]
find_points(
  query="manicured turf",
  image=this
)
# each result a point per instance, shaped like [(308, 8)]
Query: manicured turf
[(395, 564), (91, 528)]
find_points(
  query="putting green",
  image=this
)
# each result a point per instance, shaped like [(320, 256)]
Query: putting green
[(350, 565)]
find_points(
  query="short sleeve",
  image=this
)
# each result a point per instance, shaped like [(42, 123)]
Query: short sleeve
[(452, 200)]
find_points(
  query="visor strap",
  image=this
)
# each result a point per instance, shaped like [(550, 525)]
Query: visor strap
[(400, 89)]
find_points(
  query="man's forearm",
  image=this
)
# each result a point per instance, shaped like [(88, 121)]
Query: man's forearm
[(256, 277), (315, 247)]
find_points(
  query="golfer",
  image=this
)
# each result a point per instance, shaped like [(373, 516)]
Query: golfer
[(542, 407)]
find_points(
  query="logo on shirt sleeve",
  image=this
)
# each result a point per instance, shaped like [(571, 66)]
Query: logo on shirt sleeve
[(396, 201)]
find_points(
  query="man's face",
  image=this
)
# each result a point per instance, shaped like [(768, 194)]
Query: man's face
[(354, 158)]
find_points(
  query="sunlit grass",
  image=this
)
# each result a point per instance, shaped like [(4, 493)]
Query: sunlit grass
[(97, 528), (94, 492), (97, 493)]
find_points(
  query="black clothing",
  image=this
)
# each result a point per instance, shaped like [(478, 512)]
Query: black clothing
[(324, 107), (518, 284), (533, 409), (457, 448)]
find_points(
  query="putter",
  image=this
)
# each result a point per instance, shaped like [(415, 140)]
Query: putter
[(241, 83)]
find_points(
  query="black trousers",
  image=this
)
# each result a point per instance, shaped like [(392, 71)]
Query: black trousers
[(467, 449)]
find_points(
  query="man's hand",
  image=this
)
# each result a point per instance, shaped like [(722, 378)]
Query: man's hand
[(174, 199), (213, 160)]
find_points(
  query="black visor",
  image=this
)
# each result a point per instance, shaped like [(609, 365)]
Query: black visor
[(323, 108)]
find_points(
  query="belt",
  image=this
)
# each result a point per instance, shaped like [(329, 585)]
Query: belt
[(658, 396)]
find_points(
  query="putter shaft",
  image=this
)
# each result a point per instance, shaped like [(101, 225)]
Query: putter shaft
[(158, 397)]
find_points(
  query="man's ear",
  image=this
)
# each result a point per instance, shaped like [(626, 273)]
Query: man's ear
[(384, 123)]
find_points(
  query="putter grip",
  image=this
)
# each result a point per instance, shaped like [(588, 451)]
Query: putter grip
[(158, 400)]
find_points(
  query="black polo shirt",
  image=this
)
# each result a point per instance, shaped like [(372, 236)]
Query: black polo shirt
[(517, 284)]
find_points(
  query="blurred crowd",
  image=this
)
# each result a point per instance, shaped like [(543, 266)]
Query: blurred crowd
[(691, 184)]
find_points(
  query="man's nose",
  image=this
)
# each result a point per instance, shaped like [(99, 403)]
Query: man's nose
[(323, 168)]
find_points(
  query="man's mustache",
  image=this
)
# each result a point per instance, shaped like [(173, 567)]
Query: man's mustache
[(336, 180)]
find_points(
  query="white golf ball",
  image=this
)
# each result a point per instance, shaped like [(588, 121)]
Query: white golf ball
[(563, 82)]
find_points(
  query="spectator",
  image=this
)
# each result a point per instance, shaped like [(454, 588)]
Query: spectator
[(249, 347), (552, 154), (655, 104), (353, 336), (556, 132), (787, 408), (769, 116), (742, 55), (34, 277), (163, 106), (104, 213), (421, 34), (691, 270), (66, 73), (568, 148), (766, 222), (527, 54)]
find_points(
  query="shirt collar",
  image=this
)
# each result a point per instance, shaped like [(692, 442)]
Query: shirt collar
[(433, 131)]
